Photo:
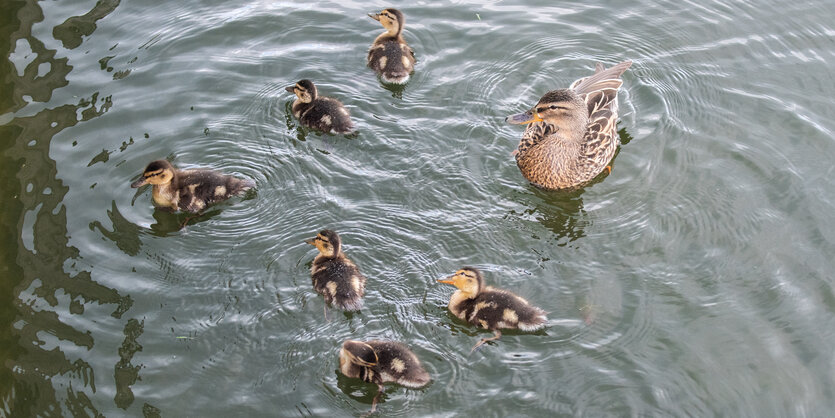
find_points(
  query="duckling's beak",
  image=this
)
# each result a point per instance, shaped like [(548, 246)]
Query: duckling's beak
[(311, 241), (139, 183), (524, 118), (449, 280), (375, 16), (291, 89)]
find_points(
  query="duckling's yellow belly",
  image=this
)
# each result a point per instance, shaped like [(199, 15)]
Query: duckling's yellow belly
[(165, 198)]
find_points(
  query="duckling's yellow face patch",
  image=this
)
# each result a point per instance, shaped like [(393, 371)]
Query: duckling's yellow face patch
[(323, 244), (161, 176), (463, 279), (388, 19), (302, 93)]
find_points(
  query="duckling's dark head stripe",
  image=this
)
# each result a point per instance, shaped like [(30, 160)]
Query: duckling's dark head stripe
[(158, 165), (394, 14), (152, 173)]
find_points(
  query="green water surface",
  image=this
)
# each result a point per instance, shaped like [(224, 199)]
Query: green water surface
[(694, 280)]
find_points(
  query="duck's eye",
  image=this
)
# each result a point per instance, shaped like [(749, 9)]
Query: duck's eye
[(553, 107)]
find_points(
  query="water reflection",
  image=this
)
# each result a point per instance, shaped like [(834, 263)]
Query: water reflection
[(395, 89), (71, 31), (125, 234), (168, 222), (559, 212), (44, 271)]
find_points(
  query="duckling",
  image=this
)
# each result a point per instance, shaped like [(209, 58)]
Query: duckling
[(381, 362), (572, 136), (390, 56), (334, 276), (189, 190), (490, 308), (319, 112)]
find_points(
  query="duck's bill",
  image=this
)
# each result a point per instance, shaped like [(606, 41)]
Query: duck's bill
[(447, 281), (311, 241), (291, 89), (139, 183), (523, 118), (374, 16)]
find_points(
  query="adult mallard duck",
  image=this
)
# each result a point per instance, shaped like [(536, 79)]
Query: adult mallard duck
[(381, 362), (390, 56), (334, 276), (490, 308), (319, 112), (572, 135), (189, 190)]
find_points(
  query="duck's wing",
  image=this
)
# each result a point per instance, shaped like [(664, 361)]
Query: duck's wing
[(600, 92)]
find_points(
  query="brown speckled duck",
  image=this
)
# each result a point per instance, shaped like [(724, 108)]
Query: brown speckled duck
[(381, 362), (490, 308), (189, 190), (390, 56), (334, 276), (319, 112), (572, 135)]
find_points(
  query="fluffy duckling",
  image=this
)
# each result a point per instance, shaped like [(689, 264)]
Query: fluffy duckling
[(389, 55), (572, 135), (319, 112), (334, 276), (189, 190), (490, 308), (381, 362)]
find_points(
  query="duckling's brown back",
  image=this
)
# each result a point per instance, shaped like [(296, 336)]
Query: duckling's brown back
[(339, 281), (398, 364), (327, 115), (499, 309), (394, 61), (200, 188)]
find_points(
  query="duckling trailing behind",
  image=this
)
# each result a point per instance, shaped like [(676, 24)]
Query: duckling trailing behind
[(572, 135), (319, 112), (334, 276), (189, 190), (490, 308), (389, 55), (381, 362)]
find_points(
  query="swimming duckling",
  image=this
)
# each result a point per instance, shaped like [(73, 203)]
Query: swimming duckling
[(319, 112), (189, 190), (389, 55), (572, 135), (381, 362), (334, 276), (490, 308)]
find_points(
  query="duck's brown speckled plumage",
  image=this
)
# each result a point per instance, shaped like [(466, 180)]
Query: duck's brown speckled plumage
[(319, 112), (390, 56), (189, 190), (334, 276), (572, 134), (491, 308), (381, 362)]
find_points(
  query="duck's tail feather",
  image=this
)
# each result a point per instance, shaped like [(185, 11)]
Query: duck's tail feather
[(602, 78)]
